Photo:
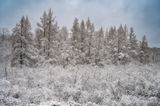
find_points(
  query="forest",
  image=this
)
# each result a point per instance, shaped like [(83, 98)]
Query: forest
[(82, 66), (83, 44)]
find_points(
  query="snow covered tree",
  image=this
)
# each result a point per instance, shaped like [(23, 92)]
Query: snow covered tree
[(133, 45), (84, 42), (122, 44), (41, 34), (53, 41), (23, 51), (122, 40), (99, 44), (89, 41), (144, 51), (52, 32), (112, 45), (76, 44), (38, 37), (65, 47), (75, 31), (82, 36), (47, 36), (105, 46)]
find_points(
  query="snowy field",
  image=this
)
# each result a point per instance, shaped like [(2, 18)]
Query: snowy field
[(54, 59), (83, 85)]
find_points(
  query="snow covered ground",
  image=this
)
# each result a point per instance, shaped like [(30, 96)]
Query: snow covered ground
[(83, 85)]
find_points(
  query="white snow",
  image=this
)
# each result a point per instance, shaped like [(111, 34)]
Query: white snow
[(81, 85)]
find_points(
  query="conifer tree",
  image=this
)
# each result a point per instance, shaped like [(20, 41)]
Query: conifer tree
[(144, 51), (89, 40), (112, 45), (133, 45), (47, 37), (41, 35), (23, 51), (122, 36), (65, 56), (76, 44), (99, 44)]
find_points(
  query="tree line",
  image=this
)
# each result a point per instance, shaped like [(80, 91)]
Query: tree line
[(82, 45)]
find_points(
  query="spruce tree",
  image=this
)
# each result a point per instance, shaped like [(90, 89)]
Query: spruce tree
[(89, 41), (47, 37), (23, 50), (133, 45), (144, 51), (112, 45), (122, 36), (76, 44), (41, 35), (99, 44)]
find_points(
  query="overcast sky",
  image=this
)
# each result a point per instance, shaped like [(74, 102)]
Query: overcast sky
[(143, 15)]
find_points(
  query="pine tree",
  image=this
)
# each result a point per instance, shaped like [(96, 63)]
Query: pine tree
[(41, 34), (76, 44), (112, 45), (82, 30), (105, 46), (99, 44), (122, 35), (38, 38), (89, 41), (23, 51), (47, 37), (144, 51), (84, 42), (64, 57), (53, 42), (75, 31), (122, 39), (133, 45)]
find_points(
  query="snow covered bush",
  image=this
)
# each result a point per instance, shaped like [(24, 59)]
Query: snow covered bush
[(131, 85)]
